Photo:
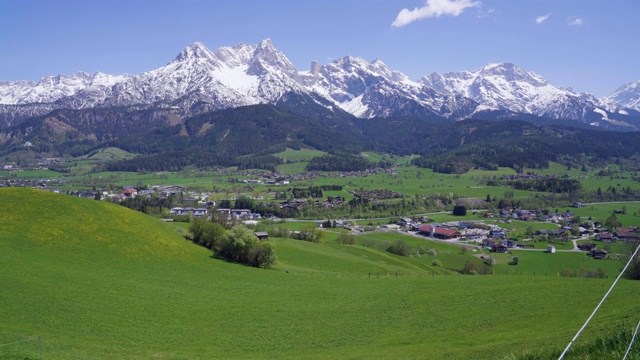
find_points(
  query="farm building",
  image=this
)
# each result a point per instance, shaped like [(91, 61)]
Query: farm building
[(551, 249), (438, 232), (499, 248)]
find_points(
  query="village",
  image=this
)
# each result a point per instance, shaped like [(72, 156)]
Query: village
[(489, 232)]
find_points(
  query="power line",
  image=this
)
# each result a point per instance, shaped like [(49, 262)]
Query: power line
[(631, 343), (600, 304)]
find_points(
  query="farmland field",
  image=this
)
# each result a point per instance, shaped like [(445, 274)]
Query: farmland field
[(99, 281)]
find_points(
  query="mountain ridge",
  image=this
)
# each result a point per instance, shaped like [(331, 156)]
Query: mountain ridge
[(198, 80)]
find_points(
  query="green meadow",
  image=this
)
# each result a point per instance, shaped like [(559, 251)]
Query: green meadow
[(98, 281), (291, 155)]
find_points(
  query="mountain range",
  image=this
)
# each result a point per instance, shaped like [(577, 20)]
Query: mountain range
[(199, 80)]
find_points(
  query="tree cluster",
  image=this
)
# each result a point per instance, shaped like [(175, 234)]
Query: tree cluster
[(241, 245), (238, 244)]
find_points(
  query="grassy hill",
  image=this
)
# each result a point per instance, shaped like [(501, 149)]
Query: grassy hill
[(98, 281)]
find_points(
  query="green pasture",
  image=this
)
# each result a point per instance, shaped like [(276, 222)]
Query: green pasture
[(344, 260), (111, 154), (98, 281), (32, 174), (292, 168), (412, 181), (397, 160), (291, 155), (600, 212), (542, 263)]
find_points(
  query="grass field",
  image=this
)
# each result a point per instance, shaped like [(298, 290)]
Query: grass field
[(291, 155), (98, 281)]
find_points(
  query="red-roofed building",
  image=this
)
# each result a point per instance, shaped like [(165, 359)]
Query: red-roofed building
[(130, 192), (439, 233)]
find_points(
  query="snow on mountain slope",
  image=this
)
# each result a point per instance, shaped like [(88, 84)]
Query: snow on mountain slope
[(199, 80), (229, 77), (627, 95), (368, 89), (506, 86), (196, 80), (52, 88)]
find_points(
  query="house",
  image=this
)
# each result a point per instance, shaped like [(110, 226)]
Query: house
[(627, 234), (87, 195), (197, 212), (588, 246), (499, 248), (404, 222), (488, 243), (509, 243), (240, 212), (261, 235), (130, 192), (598, 254), (605, 237)]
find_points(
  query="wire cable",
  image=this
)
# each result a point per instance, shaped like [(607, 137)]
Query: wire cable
[(600, 304), (631, 343)]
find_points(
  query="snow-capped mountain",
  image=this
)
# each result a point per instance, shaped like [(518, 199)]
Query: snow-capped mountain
[(506, 86), (199, 80), (53, 88), (627, 95), (369, 89), (229, 77)]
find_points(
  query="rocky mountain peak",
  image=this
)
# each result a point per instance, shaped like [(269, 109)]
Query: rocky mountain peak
[(627, 95), (197, 50)]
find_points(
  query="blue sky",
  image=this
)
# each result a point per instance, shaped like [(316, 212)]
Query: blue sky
[(588, 45)]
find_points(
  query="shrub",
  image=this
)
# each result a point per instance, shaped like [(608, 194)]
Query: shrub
[(369, 243), (432, 252), (310, 233), (346, 239), (399, 248), (489, 260), (437, 263), (471, 268)]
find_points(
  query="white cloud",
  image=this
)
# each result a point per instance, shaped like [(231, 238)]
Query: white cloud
[(541, 19), (433, 8), (574, 21)]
